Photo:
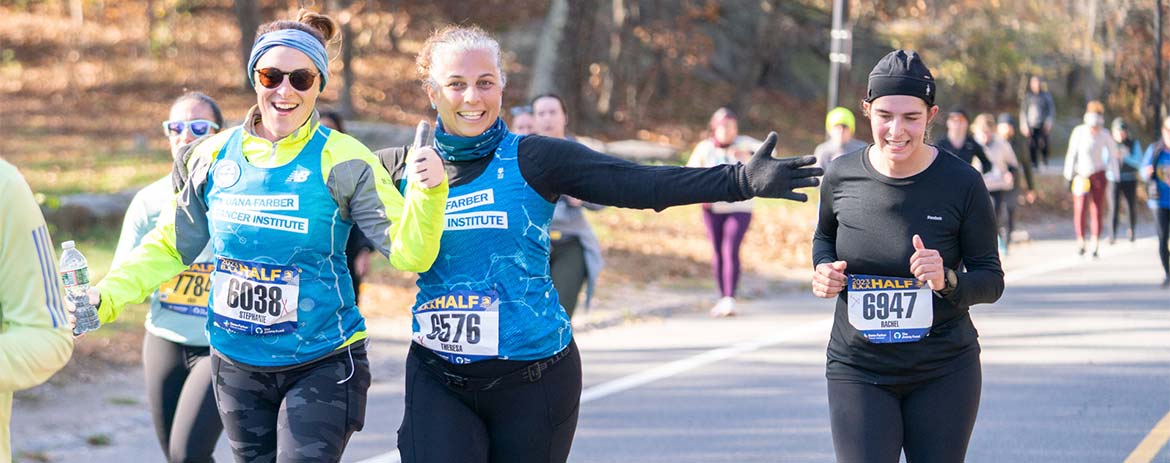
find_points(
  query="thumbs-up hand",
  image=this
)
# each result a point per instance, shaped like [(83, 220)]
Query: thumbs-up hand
[(927, 265), (829, 279), (767, 177), (423, 165)]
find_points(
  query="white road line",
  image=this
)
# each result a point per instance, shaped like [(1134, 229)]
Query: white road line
[(706, 358)]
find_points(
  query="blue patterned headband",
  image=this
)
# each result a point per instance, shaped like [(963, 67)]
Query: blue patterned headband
[(295, 39)]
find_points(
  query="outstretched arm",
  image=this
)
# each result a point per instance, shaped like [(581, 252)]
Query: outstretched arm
[(554, 167)]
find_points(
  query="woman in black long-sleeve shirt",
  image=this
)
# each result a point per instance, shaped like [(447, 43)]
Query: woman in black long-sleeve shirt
[(898, 223)]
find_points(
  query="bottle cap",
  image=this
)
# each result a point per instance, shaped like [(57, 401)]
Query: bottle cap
[(67, 245)]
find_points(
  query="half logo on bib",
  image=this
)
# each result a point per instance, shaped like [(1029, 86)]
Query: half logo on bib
[(460, 326), (255, 298), (890, 309)]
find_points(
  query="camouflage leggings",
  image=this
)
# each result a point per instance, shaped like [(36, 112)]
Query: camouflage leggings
[(297, 415)]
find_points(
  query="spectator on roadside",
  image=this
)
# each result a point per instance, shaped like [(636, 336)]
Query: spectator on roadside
[(358, 248), (35, 339), (523, 122), (1005, 129), (1122, 173), (1000, 181), (1084, 168), (958, 141), (840, 126), (727, 222), (575, 255), (1037, 111)]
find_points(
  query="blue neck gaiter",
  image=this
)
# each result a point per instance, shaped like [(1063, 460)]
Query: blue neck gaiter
[(456, 148)]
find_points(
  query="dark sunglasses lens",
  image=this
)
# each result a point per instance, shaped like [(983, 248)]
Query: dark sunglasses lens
[(301, 79), (174, 128), (199, 128), (270, 78)]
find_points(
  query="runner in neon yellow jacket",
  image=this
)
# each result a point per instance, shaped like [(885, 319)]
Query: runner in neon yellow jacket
[(354, 177), (35, 338)]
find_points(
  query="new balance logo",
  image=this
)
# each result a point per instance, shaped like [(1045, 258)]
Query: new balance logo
[(298, 176)]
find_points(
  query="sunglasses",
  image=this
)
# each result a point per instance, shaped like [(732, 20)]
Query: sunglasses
[(301, 79), (518, 110), (198, 127)]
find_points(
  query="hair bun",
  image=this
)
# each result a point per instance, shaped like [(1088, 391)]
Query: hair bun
[(325, 24)]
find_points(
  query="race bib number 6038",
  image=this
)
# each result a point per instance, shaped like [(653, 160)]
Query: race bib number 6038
[(255, 298), (890, 309)]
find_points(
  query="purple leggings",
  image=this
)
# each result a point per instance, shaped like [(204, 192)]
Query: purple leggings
[(726, 232)]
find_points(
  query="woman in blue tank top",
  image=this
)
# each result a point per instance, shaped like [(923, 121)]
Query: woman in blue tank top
[(493, 373), (274, 200)]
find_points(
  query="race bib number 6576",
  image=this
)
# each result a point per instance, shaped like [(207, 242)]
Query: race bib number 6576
[(255, 298), (460, 326), (890, 309)]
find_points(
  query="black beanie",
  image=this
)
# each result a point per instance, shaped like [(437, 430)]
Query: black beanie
[(901, 72)]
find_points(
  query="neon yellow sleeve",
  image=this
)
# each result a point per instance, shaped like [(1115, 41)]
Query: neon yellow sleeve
[(35, 338), (415, 234), (154, 261)]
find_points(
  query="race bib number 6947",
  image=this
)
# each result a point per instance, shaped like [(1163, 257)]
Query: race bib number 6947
[(890, 309)]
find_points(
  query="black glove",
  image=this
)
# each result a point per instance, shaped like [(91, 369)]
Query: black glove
[(767, 177)]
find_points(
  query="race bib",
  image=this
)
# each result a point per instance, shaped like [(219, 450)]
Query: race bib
[(461, 326), (255, 298), (187, 292), (890, 309)]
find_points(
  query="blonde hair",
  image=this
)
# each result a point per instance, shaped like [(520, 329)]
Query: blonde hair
[(984, 122), (1095, 107), (455, 39)]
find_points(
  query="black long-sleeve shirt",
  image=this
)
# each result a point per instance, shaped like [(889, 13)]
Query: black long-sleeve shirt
[(868, 219), (553, 167), (968, 152)]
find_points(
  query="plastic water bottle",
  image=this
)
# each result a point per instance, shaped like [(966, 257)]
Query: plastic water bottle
[(75, 276)]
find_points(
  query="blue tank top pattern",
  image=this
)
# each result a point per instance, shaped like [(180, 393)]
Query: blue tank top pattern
[(275, 231), (495, 247)]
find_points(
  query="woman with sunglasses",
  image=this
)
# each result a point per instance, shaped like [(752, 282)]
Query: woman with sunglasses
[(175, 352), (275, 199), (493, 373)]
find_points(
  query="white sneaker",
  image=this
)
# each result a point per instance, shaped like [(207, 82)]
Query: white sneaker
[(724, 308)]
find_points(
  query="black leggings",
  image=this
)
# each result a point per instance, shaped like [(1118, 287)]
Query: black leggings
[(1004, 203), (568, 271), (531, 422), (1038, 146), (1163, 218), (1127, 189), (306, 413), (182, 406), (931, 420)]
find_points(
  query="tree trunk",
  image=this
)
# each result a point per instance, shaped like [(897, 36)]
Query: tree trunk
[(248, 18), (561, 64), (345, 97)]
